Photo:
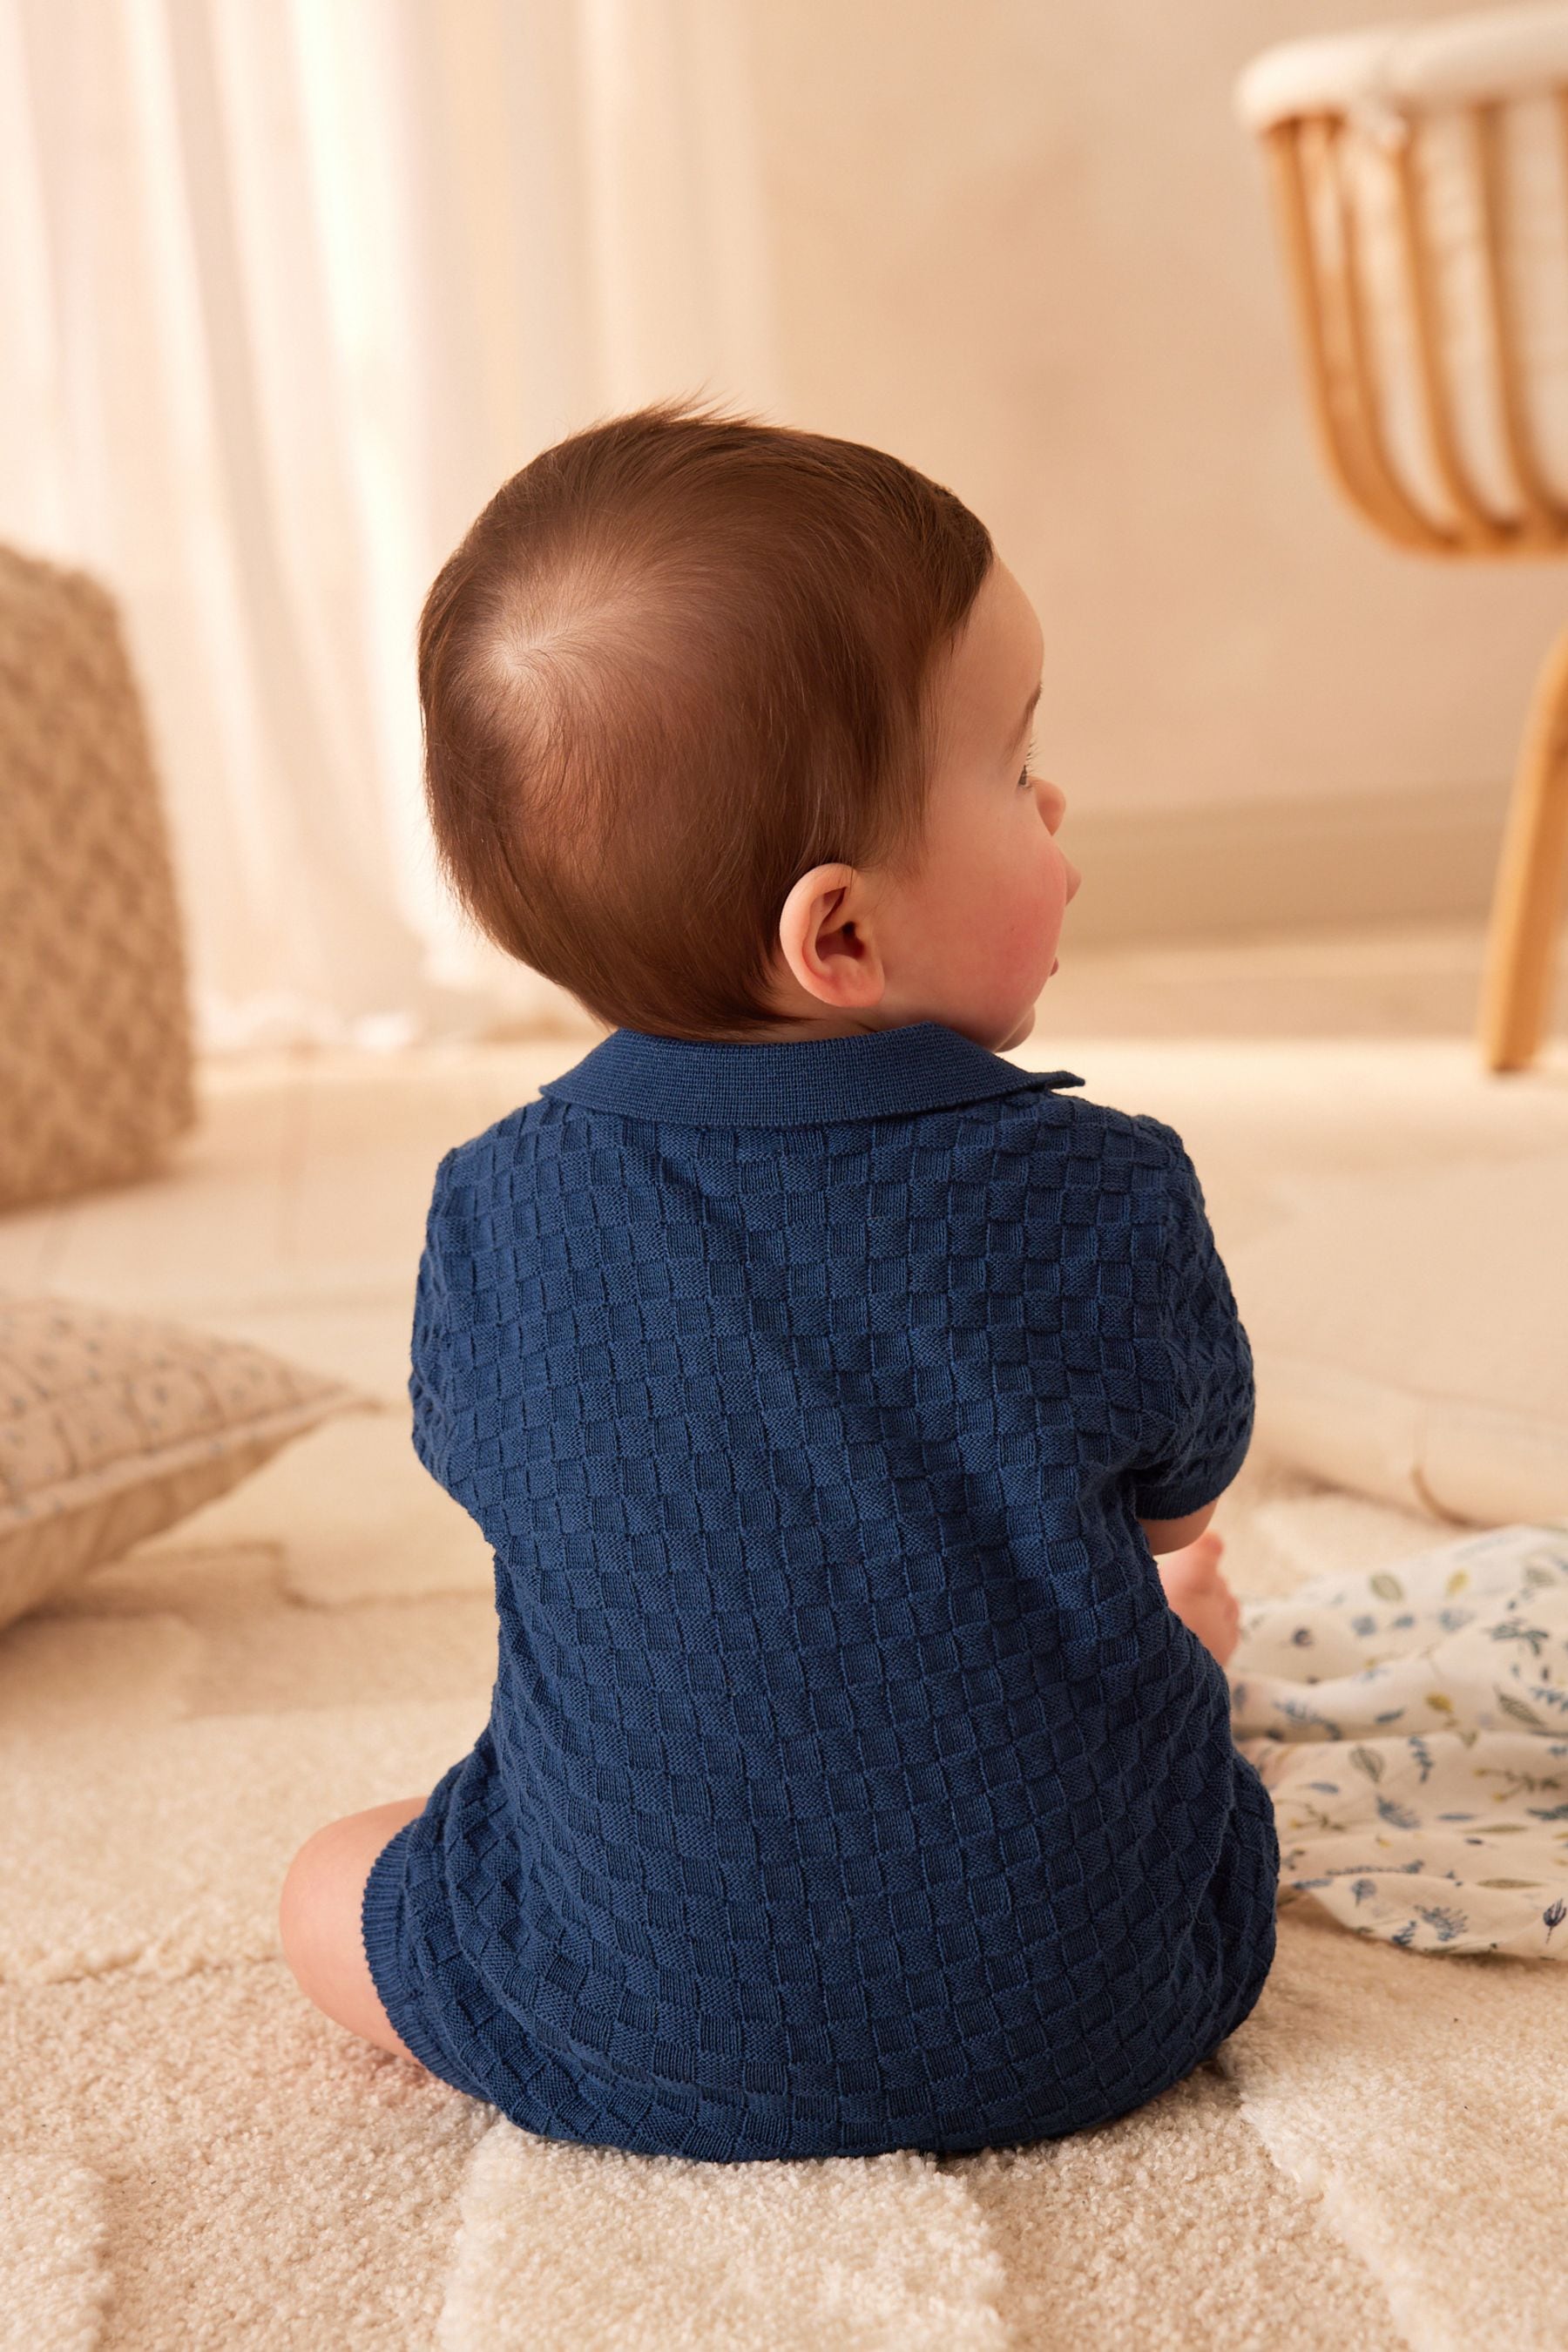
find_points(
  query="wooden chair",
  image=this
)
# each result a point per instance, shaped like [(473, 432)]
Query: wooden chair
[(1420, 182)]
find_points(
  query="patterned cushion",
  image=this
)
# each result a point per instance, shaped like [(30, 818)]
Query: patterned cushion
[(95, 1049), (113, 1426)]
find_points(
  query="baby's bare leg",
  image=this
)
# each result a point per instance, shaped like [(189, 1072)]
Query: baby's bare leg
[(1200, 1595), (319, 1920)]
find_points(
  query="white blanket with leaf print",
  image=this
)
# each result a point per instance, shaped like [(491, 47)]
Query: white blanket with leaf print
[(1412, 1728)]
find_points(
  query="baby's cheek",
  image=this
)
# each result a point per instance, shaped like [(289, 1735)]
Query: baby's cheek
[(1042, 907), (1011, 920), (1024, 919)]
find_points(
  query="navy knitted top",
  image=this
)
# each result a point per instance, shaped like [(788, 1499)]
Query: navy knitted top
[(848, 1784)]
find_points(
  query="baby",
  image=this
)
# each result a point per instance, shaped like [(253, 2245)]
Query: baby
[(825, 1384)]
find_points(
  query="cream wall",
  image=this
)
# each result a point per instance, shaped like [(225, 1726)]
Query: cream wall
[(1025, 244)]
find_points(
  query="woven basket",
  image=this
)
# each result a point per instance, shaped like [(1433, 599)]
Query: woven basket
[(95, 1037)]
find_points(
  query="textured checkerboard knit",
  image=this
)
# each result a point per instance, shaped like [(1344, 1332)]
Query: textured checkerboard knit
[(848, 1784)]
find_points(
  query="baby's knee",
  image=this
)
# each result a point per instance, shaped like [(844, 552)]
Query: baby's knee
[(311, 1900), (318, 1909)]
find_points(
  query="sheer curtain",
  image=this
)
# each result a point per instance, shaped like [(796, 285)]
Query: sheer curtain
[(287, 289)]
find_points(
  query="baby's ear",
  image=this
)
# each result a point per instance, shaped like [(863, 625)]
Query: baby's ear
[(827, 941)]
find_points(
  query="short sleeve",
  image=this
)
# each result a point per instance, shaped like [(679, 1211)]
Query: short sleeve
[(427, 1377), (1200, 1400)]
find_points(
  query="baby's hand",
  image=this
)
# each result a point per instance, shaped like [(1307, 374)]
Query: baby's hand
[(1200, 1595)]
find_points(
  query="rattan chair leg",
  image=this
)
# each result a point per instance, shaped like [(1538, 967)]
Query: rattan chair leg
[(1527, 899)]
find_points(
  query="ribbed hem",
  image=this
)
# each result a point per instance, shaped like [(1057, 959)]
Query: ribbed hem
[(381, 1910), (381, 1935), (382, 1921), (1174, 1501)]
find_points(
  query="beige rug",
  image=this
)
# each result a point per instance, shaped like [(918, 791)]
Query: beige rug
[(189, 2157)]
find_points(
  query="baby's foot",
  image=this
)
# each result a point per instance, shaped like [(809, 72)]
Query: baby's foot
[(1200, 1595)]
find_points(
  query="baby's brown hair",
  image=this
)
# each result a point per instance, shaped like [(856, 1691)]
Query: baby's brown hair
[(678, 660)]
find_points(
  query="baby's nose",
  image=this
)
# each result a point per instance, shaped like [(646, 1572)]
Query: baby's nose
[(1053, 804)]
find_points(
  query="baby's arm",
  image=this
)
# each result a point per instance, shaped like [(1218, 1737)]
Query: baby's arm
[(1210, 1377), (1173, 1535), (1190, 1575)]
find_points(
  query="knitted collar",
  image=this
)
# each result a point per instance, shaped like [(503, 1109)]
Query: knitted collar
[(886, 1072)]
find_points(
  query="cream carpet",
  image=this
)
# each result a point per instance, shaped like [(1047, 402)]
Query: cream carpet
[(189, 2157)]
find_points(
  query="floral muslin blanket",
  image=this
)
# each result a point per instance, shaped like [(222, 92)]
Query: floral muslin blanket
[(1412, 1728)]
